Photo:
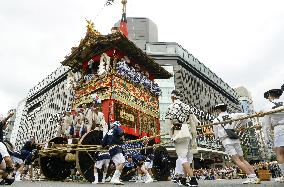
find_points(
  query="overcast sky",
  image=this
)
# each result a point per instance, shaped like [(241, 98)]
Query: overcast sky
[(242, 41)]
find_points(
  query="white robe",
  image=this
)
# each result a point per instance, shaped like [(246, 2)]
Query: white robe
[(178, 112)]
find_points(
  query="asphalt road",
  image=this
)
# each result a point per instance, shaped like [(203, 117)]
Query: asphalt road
[(217, 183)]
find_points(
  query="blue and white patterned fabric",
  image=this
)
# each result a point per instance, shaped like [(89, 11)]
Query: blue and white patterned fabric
[(129, 164), (134, 153), (112, 138), (131, 74), (103, 156), (178, 112), (133, 145)]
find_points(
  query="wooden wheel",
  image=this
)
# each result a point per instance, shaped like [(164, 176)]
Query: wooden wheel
[(85, 160), (55, 167)]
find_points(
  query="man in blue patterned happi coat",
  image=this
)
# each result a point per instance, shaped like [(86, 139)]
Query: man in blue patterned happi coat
[(176, 122)]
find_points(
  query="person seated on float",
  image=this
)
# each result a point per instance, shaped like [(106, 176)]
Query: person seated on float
[(78, 125), (87, 117), (67, 128), (114, 139), (99, 124)]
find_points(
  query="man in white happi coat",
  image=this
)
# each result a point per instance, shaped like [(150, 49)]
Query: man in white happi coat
[(176, 119), (67, 123), (98, 122), (192, 146), (275, 122), (87, 116), (232, 145)]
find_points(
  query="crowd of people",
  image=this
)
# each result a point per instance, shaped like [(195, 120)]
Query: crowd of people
[(234, 172), (180, 123), (225, 126)]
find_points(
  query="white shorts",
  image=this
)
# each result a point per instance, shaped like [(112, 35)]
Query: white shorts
[(3, 150), (189, 157), (182, 160), (149, 165), (234, 149), (279, 141), (178, 168), (99, 164), (17, 160), (118, 159), (182, 147)]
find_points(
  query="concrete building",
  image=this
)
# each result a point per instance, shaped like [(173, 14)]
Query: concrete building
[(42, 109), (141, 31), (201, 88)]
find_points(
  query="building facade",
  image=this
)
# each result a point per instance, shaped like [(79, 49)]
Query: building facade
[(42, 109), (201, 88), (141, 31)]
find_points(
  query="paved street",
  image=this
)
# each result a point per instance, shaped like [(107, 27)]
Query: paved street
[(224, 183)]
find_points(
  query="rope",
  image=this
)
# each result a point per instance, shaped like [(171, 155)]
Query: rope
[(259, 114), (238, 130), (90, 149), (80, 147)]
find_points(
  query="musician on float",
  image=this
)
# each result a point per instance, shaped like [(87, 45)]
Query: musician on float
[(87, 116), (114, 139), (67, 128), (275, 122), (230, 140), (99, 124), (176, 123)]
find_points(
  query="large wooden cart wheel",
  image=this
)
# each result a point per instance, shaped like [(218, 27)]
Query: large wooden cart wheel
[(161, 164), (85, 160), (54, 167)]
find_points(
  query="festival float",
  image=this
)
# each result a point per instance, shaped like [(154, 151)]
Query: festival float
[(121, 75)]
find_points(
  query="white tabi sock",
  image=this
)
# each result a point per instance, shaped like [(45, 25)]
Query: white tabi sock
[(96, 178), (116, 174), (139, 177), (253, 175), (148, 176), (104, 178)]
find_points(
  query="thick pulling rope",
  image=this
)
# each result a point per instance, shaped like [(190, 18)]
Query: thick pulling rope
[(259, 114), (93, 149), (80, 147), (238, 130)]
